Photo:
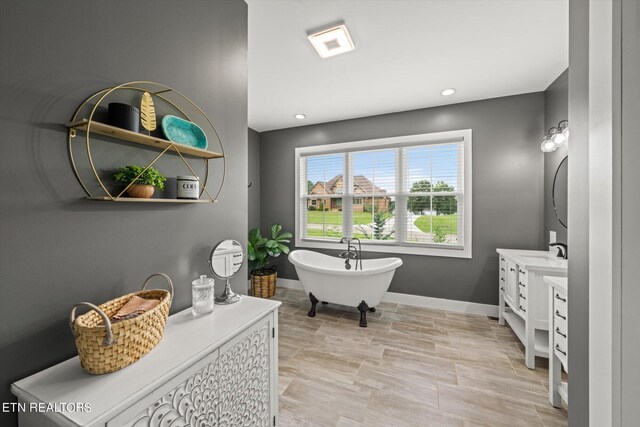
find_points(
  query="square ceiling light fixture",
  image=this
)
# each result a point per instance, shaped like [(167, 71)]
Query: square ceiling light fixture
[(331, 40)]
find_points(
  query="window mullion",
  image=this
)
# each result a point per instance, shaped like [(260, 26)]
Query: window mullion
[(401, 200), (347, 199)]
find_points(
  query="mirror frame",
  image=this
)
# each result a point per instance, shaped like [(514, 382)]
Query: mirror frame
[(244, 255), (553, 192)]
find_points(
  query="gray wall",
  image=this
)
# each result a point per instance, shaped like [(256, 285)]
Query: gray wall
[(556, 108), (629, 380), (254, 179), (508, 184), (56, 248), (578, 236)]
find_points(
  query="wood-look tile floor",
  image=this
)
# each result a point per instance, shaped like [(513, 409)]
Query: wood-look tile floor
[(411, 366)]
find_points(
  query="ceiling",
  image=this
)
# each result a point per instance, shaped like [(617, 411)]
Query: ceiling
[(407, 52)]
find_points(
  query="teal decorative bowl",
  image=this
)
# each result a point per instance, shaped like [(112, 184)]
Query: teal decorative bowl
[(184, 132)]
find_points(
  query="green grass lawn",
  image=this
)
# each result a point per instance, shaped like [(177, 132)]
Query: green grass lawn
[(448, 222), (335, 217)]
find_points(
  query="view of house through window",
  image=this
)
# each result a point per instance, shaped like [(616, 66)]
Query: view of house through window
[(408, 195)]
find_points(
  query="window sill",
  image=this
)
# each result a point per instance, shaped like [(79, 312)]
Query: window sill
[(390, 248)]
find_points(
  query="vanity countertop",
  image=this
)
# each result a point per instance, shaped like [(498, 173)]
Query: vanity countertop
[(558, 282), (544, 261), (186, 340)]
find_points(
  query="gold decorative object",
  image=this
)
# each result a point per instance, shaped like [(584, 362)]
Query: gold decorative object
[(148, 119), (147, 112)]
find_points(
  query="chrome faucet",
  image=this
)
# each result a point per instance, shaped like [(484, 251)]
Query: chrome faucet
[(562, 250), (351, 253)]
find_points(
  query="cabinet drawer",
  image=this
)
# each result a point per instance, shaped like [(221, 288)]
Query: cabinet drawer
[(523, 301), (523, 278), (560, 302), (560, 332), (560, 349)]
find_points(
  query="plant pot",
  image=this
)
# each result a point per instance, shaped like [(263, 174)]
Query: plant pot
[(140, 191), (264, 286)]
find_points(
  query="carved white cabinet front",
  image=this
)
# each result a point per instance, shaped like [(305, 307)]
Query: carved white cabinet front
[(232, 387), (216, 371)]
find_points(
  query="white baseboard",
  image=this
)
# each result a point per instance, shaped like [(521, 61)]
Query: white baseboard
[(420, 301)]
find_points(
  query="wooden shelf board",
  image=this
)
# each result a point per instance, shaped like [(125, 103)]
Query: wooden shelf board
[(137, 200), (541, 339), (139, 138)]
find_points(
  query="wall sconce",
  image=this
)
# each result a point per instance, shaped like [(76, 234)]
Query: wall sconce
[(556, 137)]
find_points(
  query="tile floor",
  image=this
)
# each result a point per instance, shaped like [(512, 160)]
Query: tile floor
[(411, 366)]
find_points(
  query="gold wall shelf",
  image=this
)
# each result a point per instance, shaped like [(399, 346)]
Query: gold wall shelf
[(139, 138), (83, 120), (137, 200)]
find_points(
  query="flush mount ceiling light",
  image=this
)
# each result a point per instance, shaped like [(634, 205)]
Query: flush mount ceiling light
[(331, 40), (448, 92), (556, 137), (299, 116)]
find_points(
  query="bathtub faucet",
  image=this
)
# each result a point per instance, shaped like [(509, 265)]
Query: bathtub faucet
[(351, 253)]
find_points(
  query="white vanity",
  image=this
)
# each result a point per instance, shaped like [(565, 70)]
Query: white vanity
[(558, 339), (524, 296), (215, 370)]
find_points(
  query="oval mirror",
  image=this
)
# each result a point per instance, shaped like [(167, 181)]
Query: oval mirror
[(560, 191), (226, 259)]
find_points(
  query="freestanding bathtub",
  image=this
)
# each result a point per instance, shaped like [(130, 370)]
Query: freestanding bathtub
[(324, 278)]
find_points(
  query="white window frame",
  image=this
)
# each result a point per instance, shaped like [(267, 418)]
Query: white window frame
[(460, 251)]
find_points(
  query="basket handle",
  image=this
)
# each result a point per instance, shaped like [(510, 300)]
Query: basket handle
[(167, 278), (108, 338)]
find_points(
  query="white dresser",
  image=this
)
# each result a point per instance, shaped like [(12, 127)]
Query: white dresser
[(524, 296), (559, 339), (215, 370)]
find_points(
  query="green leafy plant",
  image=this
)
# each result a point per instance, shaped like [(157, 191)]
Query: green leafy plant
[(151, 176), (261, 248), (439, 234)]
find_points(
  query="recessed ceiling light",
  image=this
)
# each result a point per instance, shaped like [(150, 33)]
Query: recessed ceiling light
[(300, 116), (331, 41), (448, 92)]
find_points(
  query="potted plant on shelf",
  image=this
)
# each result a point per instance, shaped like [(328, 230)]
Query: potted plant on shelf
[(143, 187), (260, 249)]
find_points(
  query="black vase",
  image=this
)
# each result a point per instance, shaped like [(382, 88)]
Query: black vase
[(124, 116)]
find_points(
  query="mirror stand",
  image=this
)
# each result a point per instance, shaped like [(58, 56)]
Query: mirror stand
[(228, 296)]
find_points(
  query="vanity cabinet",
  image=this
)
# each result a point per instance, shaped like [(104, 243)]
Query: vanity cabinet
[(523, 297), (217, 370), (227, 260), (558, 339)]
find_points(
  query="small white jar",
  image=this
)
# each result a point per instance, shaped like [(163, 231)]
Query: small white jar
[(187, 187), (202, 296)]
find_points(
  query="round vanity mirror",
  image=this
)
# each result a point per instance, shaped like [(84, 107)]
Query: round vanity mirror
[(224, 262), (560, 191)]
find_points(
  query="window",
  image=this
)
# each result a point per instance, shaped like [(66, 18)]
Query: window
[(408, 194)]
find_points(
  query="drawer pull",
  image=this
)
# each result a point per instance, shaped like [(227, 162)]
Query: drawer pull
[(502, 278), (521, 284), (560, 333), (522, 296), (560, 315), (558, 348), (512, 269), (520, 307), (502, 269), (560, 298), (521, 272), (502, 288)]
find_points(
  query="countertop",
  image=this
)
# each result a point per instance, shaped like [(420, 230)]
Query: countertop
[(186, 340), (544, 261), (558, 282)]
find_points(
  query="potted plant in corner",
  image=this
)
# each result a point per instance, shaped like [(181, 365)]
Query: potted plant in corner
[(259, 250), (143, 187)]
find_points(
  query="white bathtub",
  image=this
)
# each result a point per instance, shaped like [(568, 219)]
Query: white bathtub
[(324, 278)]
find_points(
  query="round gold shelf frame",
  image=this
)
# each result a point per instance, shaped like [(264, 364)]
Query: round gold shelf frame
[(135, 86)]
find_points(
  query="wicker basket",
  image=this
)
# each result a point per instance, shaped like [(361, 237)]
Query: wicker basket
[(104, 347), (264, 286)]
